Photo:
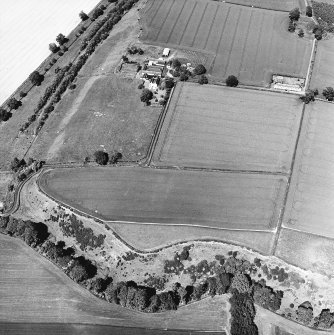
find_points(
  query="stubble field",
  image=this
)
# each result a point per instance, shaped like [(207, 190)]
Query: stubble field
[(220, 127), (219, 200), (310, 206), (250, 43)]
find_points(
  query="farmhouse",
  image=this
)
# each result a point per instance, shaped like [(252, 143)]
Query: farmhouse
[(152, 71)]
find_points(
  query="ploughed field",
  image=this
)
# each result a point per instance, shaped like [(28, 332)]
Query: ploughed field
[(250, 43), (146, 195), (221, 127)]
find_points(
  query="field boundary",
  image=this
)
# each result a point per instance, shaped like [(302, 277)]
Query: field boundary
[(287, 190)]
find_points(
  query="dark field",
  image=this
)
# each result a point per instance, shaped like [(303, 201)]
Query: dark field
[(250, 43), (221, 200)]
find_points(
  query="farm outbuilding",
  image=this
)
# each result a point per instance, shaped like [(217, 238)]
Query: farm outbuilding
[(166, 52)]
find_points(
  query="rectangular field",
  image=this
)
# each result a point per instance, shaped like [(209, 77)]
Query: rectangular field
[(250, 43), (310, 205), (219, 200), (220, 127)]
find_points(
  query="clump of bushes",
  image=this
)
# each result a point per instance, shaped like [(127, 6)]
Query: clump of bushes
[(4, 115), (328, 93), (84, 236), (101, 157), (202, 80), (14, 103)]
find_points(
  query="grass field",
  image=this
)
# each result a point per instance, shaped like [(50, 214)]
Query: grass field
[(323, 71), (222, 200), (105, 114), (248, 42), (34, 290), (310, 206), (281, 5), (221, 127)]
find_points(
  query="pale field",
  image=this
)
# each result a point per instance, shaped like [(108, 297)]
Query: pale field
[(152, 237), (27, 28), (250, 43), (228, 128), (220, 200), (323, 71), (310, 205), (270, 323), (33, 289), (307, 251)]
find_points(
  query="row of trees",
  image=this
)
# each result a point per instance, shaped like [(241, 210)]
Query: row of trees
[(67, 75), (310, 95)]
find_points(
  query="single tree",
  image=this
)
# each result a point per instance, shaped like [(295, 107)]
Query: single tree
[(169, 83), (301, 33), (97, 12), (199, 69), (53, 47), (4, 115), (83, 16), (101, 157), (146, 96), (61, 39), (176, 63), (203, 80), (232, 81), (36, 78), (294, 14), (328, 93), (13, 103), (309, 11)]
